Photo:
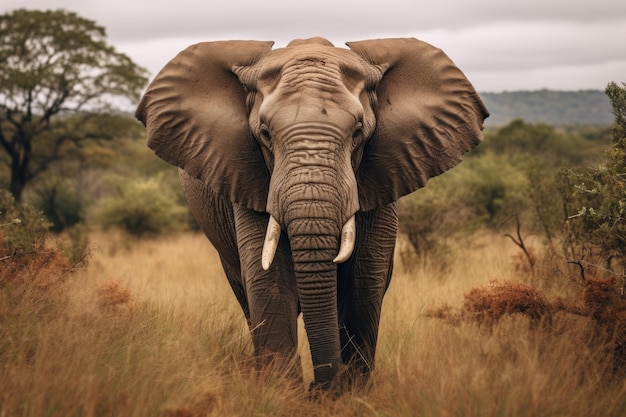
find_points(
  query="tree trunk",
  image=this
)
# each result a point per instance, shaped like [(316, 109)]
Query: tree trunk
[(16, 185)]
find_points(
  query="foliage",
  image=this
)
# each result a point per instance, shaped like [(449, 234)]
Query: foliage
[(548, 196), (26, 264), (54, 64), (140, 206), (515, 171), (482, 191), (598, 199), (61, 203), (22, 227), (541, 142)]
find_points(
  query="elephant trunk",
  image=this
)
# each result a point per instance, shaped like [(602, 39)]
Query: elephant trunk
[(319, 235), (313, 197), (316, 278)]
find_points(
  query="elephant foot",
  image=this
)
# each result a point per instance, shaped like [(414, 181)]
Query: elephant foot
[(287, 365), (318, 392), (347, 380)]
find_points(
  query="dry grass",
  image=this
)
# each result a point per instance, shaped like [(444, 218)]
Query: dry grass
[(150, 328)]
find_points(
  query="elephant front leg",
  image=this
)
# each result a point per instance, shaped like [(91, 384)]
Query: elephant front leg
[(271, 295), (362, 285)]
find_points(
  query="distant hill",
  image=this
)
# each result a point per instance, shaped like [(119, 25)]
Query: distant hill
[(558, 108)]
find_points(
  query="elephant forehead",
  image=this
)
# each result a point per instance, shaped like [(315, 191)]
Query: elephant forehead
[(308, 58)]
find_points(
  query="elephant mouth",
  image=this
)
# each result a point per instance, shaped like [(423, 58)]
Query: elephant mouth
[(272, 236)]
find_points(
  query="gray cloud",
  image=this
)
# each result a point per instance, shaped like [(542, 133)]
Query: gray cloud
[(500, 45)]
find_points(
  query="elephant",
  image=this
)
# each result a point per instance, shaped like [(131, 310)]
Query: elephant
[(293, 160)]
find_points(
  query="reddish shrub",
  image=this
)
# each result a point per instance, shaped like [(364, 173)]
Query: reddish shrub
[(491, 303), (43, 269), (604, 303), (112, 295)]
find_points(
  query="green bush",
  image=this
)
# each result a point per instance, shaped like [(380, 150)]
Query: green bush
[(495, 187), (140, 206), (61, 203), (548, 196), (22, 227), (481, 192)]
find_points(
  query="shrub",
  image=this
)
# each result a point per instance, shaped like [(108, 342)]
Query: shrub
[(112, 296), (61, 203), (504, 298), (481, 192), (426, 218), (140, 206), (24, 258), (22, 227), (597, 203), (583, 215), (42, 270)]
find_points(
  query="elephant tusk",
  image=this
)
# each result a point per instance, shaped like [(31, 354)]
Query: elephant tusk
[(348, 236), (272, 237)]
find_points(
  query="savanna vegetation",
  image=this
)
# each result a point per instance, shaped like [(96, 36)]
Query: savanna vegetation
[(61, 85), (508, 295)]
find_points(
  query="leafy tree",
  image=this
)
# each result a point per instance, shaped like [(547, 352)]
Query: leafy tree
[(58, 80), (600, 193)]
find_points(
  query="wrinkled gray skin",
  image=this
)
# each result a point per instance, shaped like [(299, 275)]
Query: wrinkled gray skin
[(310, 135)]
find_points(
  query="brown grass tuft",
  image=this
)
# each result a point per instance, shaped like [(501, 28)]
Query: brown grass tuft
[(489, 304), (444, 312), (112, 296)]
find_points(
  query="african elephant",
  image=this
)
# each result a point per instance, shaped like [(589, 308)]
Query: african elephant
[(292, 161)]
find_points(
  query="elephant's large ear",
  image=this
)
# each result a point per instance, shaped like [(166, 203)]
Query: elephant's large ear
[(428, 116), (196, 117)]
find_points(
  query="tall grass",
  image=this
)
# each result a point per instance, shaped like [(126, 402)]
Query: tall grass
[(151, 328)]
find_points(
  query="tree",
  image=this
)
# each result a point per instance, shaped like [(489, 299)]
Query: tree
[(58, 79), (600, 196)]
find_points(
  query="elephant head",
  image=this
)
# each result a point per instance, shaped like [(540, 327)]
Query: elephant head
[(311, 134)]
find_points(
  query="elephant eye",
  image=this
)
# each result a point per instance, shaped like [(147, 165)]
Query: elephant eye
[(358, 131), (265, 133)]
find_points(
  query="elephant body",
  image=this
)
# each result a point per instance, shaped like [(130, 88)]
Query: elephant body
[(292, 161), (269, 299)]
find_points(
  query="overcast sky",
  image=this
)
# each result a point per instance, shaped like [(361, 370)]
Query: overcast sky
[(501, 45)]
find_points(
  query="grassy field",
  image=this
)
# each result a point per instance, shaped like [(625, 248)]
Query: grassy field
[(150, 328)]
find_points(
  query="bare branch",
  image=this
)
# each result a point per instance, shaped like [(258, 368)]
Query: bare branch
[(520, 243)]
